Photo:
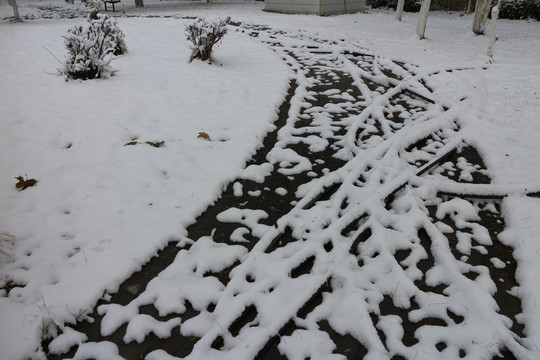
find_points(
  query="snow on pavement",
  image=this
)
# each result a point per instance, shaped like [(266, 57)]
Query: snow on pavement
[(100, 205)]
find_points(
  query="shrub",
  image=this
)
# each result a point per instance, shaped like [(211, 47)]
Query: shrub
[(91, 48), (409, 6), (520, 9), (204, 34)]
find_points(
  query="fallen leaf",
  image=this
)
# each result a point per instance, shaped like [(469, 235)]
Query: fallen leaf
[(203, 135), (24, 183), (156, 144)]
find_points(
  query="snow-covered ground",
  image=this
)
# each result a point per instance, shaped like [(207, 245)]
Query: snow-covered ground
[(101, 209)]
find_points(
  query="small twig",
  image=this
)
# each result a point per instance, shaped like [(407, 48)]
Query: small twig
[(52, 55), (50, 73), (394, 293)]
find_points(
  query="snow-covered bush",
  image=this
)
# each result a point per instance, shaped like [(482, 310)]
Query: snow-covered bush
[(91, 48), (409, 6), (520, 9), (204, 34)]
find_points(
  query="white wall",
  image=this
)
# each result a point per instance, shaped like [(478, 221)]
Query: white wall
[(329, 7), (292, 6), (320, 7)]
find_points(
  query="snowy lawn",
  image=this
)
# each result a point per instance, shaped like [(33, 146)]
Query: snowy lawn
[(101, 209)]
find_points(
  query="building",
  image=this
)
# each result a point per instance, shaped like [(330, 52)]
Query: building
[(319, 7)]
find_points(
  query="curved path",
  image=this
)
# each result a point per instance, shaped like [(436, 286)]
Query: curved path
[(342, 239)]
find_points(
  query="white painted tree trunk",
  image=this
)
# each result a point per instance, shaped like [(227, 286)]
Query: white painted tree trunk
[(13, 4), (422, 20), (480, 16), (399, 9), (494, 17)]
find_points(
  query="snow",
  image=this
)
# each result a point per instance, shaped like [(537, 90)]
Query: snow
[(66, 340), (101, 209), (98, 351), (237, 189), (142, 324), (248, 218), (523, 219), (313, 345)]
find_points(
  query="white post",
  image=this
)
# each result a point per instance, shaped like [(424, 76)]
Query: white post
[(494, 17), (399, 9), (422, 20)]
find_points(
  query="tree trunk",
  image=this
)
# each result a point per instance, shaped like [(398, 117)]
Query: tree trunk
[(93, 14), (13, 4), (139, 3), (399, 9), (422, 20), (480, 16), (469, 5)]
